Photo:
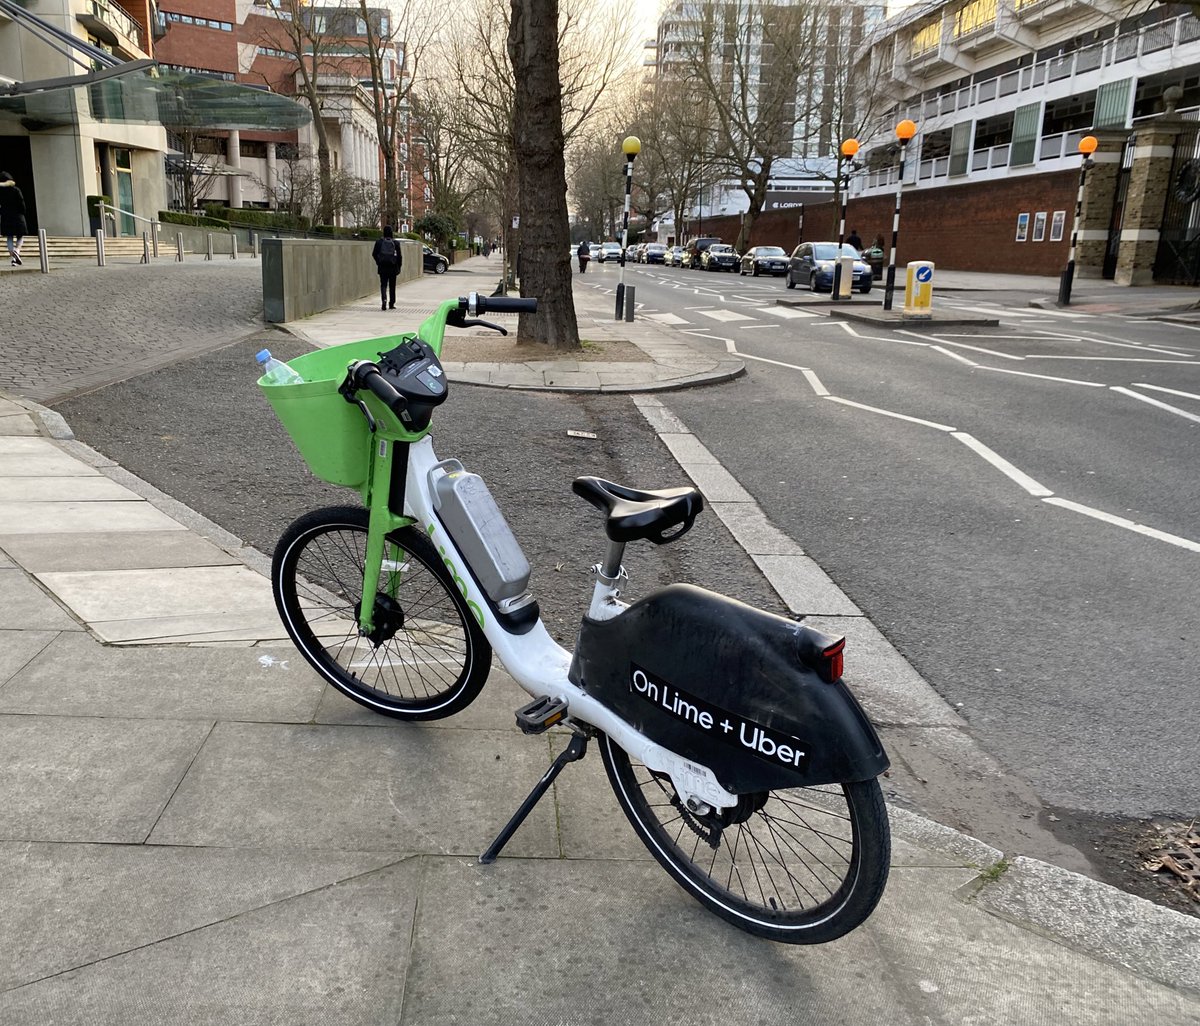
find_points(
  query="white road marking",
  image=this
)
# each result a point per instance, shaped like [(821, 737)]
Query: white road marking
[(955, 356), (1042, 312), (1169, 391), (725, 315), (785, 312), (889, 413), (1107, 359), (935, 339), (1128, 345), (668, 318), (1047, 377), (1155, 402), (814, 381), (1129, 525), (1002, 465)]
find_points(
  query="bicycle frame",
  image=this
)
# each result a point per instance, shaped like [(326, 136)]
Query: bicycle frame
[(538, 663)]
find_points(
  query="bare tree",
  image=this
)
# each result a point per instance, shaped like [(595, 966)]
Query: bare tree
[(409, 27), (745, 57), (538, 146), (302, 33), (198, 166)]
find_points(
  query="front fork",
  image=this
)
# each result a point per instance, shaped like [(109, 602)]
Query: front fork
[(382, 522)]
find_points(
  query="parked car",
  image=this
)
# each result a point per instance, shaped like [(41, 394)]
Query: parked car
[(594, 250), (812, 264), (631, 253), (764, 260), (656, 253), (674, 257), (610, 251), (433, 261), (641, 253), (694, 250), (719, 257)]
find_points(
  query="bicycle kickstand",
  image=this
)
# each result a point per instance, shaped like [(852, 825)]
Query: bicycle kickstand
[(575, 751)]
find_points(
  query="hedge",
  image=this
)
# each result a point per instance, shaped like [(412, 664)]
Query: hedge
[(195, 220)]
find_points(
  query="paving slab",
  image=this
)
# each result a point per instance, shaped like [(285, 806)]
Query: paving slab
[(18, 648), (335, 956), (493, 709), (114, 550), (48, 461), (58, 915), (173, 591), (64, 489), (410, 790), (25, 606), (16, 423), (194, 629), (90, 779), (81, 517), (73, 675)]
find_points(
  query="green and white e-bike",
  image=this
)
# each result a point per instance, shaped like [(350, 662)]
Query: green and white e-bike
[(740, 758)]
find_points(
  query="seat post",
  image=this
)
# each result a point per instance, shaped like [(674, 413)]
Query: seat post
[(610, 569)]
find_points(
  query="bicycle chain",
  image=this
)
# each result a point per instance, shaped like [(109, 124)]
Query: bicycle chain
[(709, 835)]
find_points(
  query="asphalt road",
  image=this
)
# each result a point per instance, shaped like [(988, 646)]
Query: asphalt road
[(1068, 642)]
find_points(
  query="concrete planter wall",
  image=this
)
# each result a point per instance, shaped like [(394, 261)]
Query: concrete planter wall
[(302, 277)]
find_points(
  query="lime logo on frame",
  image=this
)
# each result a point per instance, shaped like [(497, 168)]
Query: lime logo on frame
[(459, 583)]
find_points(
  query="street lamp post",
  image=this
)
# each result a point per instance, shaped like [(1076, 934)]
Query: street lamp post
[(849, 149), (905, 130), (1087, 146), (631, 147)]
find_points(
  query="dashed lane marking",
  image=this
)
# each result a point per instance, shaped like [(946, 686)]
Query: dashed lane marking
[(1002, 465), (786, 312), (1128, 525), (1155, 402), (1169, 391)]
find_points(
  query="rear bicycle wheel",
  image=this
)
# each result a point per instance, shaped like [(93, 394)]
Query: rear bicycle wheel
[(802, 866), (427, 656)]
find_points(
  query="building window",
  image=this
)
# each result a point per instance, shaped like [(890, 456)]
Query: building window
[(1112, 104), (1027, 124), (252, 148), (191, 19)]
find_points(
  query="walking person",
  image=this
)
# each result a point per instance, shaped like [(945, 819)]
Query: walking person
[(584, 253), (12, 217), (388, 261), (855, 240)]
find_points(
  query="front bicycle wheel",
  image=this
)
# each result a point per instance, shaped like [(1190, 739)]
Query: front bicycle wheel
[(803, 866), (427, 656)]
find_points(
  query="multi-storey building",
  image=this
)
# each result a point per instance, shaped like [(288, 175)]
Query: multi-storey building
[(63, 144), (255, 45), (811, 106), (1001, 92)]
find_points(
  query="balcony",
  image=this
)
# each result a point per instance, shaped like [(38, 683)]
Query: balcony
[(109, 22)]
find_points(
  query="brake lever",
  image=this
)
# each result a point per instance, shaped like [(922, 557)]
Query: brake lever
[(482, 324)]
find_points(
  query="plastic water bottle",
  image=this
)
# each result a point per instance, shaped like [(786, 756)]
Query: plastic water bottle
[(276, 372)]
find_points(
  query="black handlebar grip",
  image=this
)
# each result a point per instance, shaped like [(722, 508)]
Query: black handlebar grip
[(504, 304), (366, 375)]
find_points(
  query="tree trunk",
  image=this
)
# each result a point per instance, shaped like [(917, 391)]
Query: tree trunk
[(543, 261)]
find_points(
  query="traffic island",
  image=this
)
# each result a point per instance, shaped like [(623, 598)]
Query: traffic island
[(873, 314)]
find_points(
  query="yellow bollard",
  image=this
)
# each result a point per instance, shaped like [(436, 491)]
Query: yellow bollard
[(918, 291)]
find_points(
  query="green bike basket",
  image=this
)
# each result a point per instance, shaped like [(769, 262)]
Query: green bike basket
[(331, 434)]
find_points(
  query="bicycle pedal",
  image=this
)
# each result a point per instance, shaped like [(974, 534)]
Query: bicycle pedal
[(541, 714)]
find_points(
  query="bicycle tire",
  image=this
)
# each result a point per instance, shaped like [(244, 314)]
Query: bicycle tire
[(430, 658), (747, 893)]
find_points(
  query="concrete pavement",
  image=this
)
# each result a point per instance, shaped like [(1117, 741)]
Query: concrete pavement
[(194, 828)]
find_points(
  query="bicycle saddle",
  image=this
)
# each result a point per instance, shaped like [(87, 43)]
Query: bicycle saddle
[(633, 513)]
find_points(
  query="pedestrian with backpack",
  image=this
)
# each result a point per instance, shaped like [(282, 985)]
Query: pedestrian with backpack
[(389, 261)]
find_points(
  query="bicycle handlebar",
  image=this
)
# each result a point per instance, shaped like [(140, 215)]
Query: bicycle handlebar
[(496, 304), (365, 374)]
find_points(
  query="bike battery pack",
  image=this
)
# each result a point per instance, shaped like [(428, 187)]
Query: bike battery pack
[(468, 511)]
